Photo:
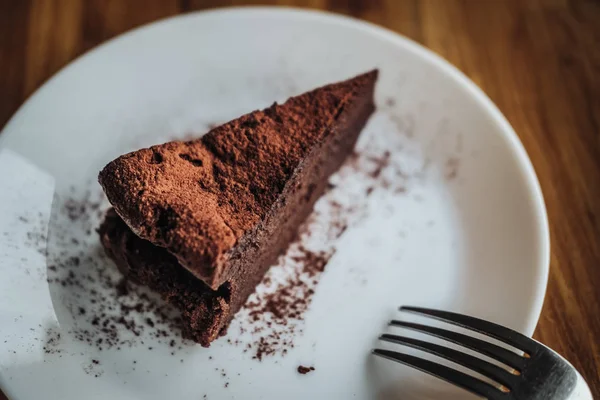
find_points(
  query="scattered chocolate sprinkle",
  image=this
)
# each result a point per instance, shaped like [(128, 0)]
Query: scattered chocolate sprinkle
[(52, 344), (108, 312), (276, 313), (93, 369)]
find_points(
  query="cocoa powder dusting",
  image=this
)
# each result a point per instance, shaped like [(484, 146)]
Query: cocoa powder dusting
[(285, 305), (107, 311)]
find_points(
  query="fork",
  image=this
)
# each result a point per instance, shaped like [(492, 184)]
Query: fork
[(539, 374)]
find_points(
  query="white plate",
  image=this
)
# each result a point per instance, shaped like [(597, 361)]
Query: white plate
[(460, 224)]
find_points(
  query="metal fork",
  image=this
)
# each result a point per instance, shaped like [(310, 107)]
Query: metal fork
[(539, 374)]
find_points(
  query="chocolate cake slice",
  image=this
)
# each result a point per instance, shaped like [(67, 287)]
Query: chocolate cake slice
[(201, 221)]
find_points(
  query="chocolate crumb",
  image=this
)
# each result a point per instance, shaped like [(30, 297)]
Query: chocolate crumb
[(305, 370)]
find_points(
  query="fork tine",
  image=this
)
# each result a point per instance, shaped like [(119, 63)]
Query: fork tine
[(496, 331), (450, 375), (489, 349), (485, 368)]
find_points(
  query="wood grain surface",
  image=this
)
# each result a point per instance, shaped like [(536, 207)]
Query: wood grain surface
[(538, 60)]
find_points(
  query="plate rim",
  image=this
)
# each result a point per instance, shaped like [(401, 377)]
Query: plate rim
[(522, 159)]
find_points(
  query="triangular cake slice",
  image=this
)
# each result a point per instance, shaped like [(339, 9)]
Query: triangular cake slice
[(211, 215)]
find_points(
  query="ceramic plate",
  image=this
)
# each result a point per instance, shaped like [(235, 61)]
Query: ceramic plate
[(438, 207)]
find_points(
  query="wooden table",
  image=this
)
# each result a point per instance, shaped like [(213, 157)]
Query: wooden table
[(539, 61)]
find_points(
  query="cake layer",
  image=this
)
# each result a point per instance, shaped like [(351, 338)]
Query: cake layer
[(204, 312)]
